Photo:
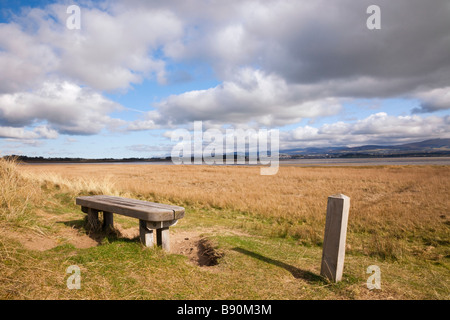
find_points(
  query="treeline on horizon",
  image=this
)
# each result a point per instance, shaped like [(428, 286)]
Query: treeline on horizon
[(27, 159)]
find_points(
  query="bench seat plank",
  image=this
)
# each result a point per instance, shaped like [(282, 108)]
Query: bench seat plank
[(143, 210)]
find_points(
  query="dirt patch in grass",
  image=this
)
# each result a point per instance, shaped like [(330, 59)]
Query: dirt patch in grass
[(185, 243), (79, 240), (181, 242), (38, 240), (190, 243), (199, 249), (30, 240), (207, 254), (129, 233)]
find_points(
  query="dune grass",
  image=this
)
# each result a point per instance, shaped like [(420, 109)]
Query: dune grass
[(270, 229)]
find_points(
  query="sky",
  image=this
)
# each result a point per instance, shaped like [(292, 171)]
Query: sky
[(136, 71)]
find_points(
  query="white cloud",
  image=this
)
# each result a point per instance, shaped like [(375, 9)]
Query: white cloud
[(139, 125), (16, 133), (65, 107), (24, 59), (46, 132), (21, 133), (434, 100), (116, 49), (376, 128), (112, 50), (251, 96)]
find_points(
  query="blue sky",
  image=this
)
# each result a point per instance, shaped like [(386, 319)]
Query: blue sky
[(137, 70)]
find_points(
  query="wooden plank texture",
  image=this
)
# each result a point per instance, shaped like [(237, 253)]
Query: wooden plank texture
[(143, 210)]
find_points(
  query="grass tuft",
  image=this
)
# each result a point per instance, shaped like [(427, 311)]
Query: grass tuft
[(17, 194)]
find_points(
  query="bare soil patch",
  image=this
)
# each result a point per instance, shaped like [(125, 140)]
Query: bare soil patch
[(36, 239), (191, 244), (30, 239), (199, 249), (79, 240)]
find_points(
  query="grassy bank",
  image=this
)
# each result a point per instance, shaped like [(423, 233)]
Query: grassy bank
[(267, 231)]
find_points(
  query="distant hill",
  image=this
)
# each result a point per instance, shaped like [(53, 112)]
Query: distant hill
[(435, 147)]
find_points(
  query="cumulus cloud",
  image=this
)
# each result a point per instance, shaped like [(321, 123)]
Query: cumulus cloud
[(113, 49), (65, 107), (379, 128), (24, 60), (251, 96), (21, 133), (433, 100), (161, 150)]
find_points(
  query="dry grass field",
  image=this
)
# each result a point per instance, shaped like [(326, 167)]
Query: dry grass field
[(387, 203), (399, 220)]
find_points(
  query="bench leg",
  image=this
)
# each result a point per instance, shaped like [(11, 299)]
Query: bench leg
[(93, 222), (162, 238), (108, 222), (145, 234)]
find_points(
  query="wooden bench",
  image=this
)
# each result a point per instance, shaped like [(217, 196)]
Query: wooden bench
[(151, 216)]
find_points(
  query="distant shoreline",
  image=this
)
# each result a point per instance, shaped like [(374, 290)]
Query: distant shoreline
[(404, 161), (283, 162)]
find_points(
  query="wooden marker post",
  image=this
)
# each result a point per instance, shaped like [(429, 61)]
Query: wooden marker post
[(335, 235)]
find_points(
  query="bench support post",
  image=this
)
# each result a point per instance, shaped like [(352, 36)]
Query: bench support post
[(93, 222), (162, 238), (146, 234), (108, 220)]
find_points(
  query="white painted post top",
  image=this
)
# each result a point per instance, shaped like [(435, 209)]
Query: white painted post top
[(339, 196)]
